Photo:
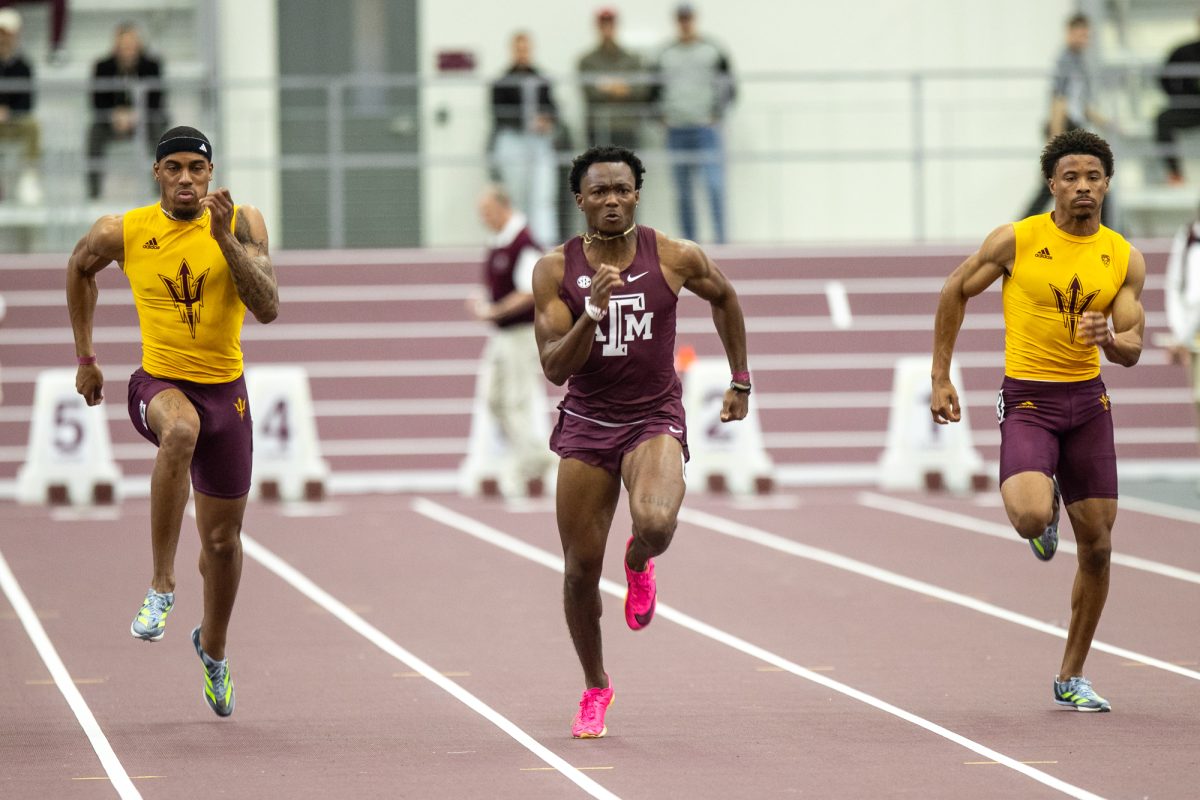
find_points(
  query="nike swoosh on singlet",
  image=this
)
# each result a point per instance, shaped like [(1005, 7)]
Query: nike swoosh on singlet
[(633, 278), (673, 429)]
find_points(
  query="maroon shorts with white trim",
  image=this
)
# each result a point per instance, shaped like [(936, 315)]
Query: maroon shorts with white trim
[(1063, 429), (604, 444), (225, 447)]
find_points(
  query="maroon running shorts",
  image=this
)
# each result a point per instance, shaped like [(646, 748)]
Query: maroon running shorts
[(604, 444), (1062, 429), (224, 449)]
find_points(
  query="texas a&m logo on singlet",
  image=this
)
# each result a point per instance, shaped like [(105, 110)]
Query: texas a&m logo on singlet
[(187, 293), (627, 320)]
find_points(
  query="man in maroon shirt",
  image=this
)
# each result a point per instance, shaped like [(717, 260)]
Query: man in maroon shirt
[(605, 324)]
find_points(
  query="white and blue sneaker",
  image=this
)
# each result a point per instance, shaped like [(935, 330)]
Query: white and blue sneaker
[(218, 686), (1046, 545), (1077, 693), (151, 622)]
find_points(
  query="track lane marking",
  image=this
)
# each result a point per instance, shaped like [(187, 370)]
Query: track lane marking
[(511, 544), (341, 611), (954, 519), (746, 533), (58, 671)]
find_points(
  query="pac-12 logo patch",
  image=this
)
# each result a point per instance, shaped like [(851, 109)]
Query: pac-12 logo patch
[(584, 281)]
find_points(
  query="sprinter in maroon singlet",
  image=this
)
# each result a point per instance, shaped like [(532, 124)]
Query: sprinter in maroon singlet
[(605, 324)]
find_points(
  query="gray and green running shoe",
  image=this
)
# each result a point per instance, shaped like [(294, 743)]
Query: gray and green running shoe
[(151, 622), (1046, 545), (1077, 693), (218, 686)]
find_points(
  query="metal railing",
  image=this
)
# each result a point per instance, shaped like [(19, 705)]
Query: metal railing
[(929, 155)]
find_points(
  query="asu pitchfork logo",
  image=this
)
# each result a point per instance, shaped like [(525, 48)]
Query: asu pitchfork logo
[(187, 294), (1072, 303)]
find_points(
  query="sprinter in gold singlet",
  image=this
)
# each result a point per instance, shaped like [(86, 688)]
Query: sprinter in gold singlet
[(195, 263), (1071, 290)]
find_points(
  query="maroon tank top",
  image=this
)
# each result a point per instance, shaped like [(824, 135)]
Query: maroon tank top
[(630, 373), (498, 272)]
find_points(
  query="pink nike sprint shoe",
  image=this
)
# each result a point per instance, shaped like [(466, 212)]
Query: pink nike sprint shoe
[(641, 595), (589, 722)]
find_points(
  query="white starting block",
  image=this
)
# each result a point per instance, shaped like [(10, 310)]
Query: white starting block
[(287, 454), (921, 454), (70, 456), (725, 456), (484, 470)]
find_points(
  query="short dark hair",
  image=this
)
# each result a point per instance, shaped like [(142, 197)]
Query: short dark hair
[(1076, 142), (1078, 20), (605, 154)]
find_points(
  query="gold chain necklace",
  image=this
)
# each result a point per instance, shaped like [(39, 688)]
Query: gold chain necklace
[(588, 238), (197, 220)]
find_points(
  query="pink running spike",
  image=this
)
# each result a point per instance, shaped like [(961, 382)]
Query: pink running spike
[(642, 594), (589, 722)]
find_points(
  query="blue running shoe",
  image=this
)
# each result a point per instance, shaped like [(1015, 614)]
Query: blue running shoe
[(151, 622), (1077, 693), (218, 686), (1046, 545)]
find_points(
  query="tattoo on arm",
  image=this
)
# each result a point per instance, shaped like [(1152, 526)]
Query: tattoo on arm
[(253, 274)]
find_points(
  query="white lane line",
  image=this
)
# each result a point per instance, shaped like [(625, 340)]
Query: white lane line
[(376, 637), (737, 530), (62, 679), (982, 527), (490, 535), (1155, 508), (839, 305)]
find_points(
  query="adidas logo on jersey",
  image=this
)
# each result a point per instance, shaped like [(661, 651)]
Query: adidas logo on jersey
[(1043, 253), (151, 245)]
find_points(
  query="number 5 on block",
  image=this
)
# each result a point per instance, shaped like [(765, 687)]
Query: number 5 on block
[(69, 458)]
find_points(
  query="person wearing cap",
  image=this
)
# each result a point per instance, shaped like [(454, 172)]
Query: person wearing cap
[(615, 95), (195, 262), (694, 88), (126, 94), (17, 122)]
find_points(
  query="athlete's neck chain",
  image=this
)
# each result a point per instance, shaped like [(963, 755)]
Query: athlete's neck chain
[(196, 218), (588, 238)]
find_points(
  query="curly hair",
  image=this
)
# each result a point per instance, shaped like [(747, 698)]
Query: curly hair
[(1076, 142), (605, 154)]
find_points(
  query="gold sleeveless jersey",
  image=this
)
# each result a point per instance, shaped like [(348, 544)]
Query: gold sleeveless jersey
[(1055, 278), (187, 304)]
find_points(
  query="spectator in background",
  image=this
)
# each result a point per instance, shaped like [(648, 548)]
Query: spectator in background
[(1183, 104), (524, 117), (1072, 96), (695, 87), (511, 358), (58, 24), (126, 93), (615, 97), (17, 122), (1183, 303)]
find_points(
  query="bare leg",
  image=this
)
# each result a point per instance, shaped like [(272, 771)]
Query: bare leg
[(1028, 500), (174, 421), (653, 475), (220, 522), (587, 499), (1092, 521)]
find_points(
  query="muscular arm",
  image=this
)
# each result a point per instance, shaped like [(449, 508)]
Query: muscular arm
[(102, 245), (691, 267), (1123, 343), (980, 270), (564, 344), (245, 250)]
